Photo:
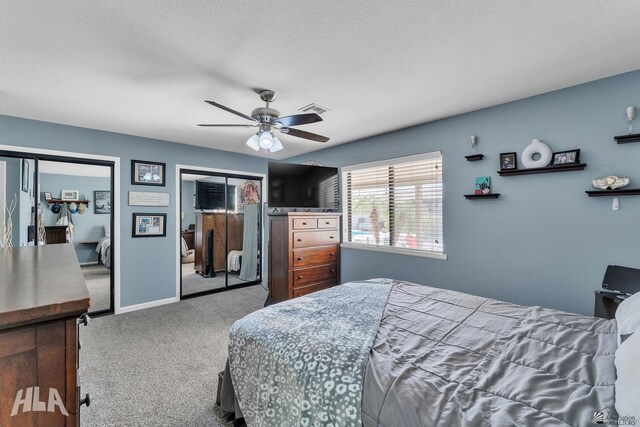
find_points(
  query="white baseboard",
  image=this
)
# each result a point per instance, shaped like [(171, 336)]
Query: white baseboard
[(145, 305), (89, 263)]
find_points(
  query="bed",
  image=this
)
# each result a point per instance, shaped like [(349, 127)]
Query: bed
[(103, 249), (392, 353)]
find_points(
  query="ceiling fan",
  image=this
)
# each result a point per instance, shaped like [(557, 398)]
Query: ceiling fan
[(267, 120)]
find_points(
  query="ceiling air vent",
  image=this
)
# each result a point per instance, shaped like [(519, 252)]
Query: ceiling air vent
[(313, 108)]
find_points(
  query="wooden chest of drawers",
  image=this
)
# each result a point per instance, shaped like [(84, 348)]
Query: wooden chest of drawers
[(304, 253)]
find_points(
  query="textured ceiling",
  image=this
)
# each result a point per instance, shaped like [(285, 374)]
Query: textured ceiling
[(145, 67)]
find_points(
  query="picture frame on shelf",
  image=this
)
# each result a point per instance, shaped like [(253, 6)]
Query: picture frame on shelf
[(148, 173), (483, 185), (569, 157), (508, 161), (101, 202), (48, 196), (149, 224), (70, 195)]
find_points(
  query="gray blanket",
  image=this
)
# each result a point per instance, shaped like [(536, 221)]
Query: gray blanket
[(444, 358), (302, 362)]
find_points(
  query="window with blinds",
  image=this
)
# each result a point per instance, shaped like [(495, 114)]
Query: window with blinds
[(395, 204)]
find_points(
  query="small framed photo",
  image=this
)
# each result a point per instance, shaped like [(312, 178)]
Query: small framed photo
[(48, 196), (102, 202), (25, 175), (508, 161), (149, 225), (70, 195), (570, 157), (483, 185), (147, 173)]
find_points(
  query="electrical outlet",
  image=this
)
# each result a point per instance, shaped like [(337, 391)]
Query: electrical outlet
[(615, 205)]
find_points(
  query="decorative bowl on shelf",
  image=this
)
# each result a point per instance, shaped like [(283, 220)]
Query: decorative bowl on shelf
[(611, 182)]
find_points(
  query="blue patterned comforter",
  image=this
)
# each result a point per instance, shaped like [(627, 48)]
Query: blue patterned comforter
[(302, 362)]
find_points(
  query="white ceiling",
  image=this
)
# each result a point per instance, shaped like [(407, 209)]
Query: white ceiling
[(145, 67)]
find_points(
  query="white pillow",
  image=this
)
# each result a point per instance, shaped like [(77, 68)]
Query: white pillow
[(628, 316), (628, 372), (107, 230)]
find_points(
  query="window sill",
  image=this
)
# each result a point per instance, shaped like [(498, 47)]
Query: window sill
[(398, 251)]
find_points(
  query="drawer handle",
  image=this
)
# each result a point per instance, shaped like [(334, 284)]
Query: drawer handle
[(333, 270), (327, 222), (331, 237), (304, 223), (299, 240), (86, 400), (83, 320), (299, 277), (332, 254), (299, 258)]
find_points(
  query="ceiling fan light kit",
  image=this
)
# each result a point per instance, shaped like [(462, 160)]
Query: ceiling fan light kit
[(268, 120)]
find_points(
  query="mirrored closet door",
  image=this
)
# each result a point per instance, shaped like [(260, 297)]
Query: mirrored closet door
[(221, 232), (49, 200)]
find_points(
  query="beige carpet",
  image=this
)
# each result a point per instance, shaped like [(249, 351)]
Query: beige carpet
[(98, 280), (192, 282), (158, 367)]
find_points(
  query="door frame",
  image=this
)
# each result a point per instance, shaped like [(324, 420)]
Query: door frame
[(178, 230), (58, 155)]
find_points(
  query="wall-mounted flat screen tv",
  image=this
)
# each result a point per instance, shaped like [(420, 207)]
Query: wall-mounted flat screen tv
[(210, 195), (303, 186)]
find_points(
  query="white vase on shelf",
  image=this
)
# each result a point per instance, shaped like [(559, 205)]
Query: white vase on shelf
[(536, 147)]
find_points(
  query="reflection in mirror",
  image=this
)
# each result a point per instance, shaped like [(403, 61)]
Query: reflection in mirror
[(243, 255), (221, 231), (17, 202), (75, 206)]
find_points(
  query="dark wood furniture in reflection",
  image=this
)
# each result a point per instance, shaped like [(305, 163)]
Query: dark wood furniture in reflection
[(189, 238), (304, 253), (56, 234), (216, 222), (43, 296)]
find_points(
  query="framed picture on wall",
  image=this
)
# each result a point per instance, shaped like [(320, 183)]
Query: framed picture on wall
[(147, 173), (149, 225), (48, 196), (102, 202), (25, 175)]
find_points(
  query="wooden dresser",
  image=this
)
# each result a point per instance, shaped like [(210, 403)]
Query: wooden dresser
[(304, 253), (216, 222), (42, 297)]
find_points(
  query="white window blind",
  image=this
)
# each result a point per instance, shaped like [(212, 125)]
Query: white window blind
[(396, 203)]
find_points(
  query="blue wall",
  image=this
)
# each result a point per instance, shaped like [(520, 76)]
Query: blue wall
[(543, 242), (88, 226), (148, 264)]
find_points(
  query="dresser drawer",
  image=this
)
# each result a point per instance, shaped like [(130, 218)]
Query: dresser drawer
[(327, 222), (323, 273), (309, 289), (314, 256), (305, 239), (304, 223)]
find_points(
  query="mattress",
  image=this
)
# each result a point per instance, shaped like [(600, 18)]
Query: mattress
[(445, 358)]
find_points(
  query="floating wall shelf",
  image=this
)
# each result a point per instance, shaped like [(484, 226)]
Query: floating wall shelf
[(625, 139), (482, 196), (474, 157), (614, 193), (52, 201), (548, 169)]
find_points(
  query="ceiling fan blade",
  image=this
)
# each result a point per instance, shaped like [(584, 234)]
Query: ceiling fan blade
[(299, 119), (217, 125), (303, 134), (237, 113)]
